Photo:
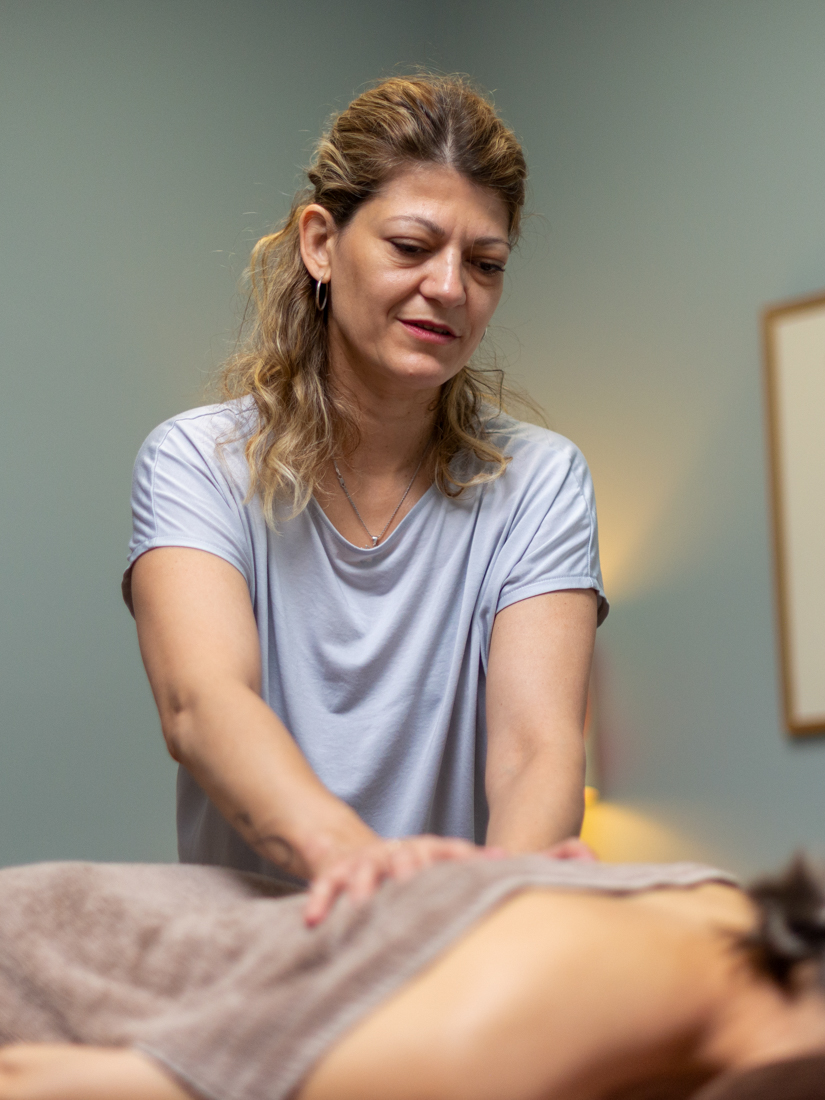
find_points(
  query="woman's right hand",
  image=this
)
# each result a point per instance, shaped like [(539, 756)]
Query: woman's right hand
[(359, 873)]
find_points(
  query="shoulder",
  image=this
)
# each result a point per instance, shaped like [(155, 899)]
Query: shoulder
[(203, 428), (537, 453), (198, 451), (208, 440)]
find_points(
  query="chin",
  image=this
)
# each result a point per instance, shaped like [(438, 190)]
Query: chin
[(428, 374), (424, 382)]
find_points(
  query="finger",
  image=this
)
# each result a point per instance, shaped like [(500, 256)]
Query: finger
[(368, 873), (453, 848), (580, 850), (572, 848), (321, 897), (325, 890), (419, 852), (493, 851), (405, 862)]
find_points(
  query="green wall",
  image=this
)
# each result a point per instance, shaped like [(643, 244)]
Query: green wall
[(677, 186), (678, 172), (143, 147)]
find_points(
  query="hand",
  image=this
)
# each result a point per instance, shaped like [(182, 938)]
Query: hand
[(361, 872), (572, 848)]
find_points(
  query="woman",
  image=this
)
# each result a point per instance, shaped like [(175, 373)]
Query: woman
[(366, 600), (517, 979)]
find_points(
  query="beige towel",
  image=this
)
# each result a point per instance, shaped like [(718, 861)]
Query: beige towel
[(215, 976)]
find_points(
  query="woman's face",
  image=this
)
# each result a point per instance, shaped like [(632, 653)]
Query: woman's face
[(414, 279)]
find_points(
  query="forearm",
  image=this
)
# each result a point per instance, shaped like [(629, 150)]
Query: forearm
[(68, 1071), (199, 642), (538, 799), (249, 765)]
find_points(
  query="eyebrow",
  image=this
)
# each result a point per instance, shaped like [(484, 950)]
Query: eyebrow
[(437, 230)]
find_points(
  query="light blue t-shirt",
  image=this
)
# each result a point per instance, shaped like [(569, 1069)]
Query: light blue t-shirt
[(374, 659)]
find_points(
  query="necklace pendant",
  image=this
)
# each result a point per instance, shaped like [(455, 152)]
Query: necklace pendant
[(377, 538)]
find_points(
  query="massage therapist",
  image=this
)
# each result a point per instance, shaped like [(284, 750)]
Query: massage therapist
[(366, 598)]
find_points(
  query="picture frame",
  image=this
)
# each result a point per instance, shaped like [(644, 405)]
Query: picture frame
[(794, 354)]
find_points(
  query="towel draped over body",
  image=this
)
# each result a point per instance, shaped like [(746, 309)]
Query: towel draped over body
[(213, 973)]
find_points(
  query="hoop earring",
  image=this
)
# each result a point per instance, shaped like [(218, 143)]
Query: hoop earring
[(319, 305), (484, 334)]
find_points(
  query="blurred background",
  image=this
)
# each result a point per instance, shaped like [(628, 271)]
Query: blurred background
[(677, 186)]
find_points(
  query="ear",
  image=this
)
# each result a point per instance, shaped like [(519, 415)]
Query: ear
[(317, 232)]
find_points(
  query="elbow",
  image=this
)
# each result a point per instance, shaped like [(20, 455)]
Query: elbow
[(194, 717), (178, 723), (173, 745)]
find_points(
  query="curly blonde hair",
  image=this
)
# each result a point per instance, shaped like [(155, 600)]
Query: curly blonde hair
[(282, 362)]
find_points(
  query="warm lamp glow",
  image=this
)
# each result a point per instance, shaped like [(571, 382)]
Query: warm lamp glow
[(620, 834), (646, 535)]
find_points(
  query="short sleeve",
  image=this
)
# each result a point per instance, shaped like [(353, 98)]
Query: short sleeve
[(183, 494), (554, 541)]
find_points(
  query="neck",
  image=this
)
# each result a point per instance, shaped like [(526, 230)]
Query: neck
[(736, 1017), (761, 1023), (391, 440), (395, 423), (744, 1031)]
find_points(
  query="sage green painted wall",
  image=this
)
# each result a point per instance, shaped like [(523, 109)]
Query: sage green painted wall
[(143, 147), (678, 181)]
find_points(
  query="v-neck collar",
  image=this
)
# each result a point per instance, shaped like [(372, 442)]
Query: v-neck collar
[(369, 551)]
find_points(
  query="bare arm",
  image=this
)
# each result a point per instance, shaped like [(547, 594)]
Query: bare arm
[(199, 642), (537, 677), (68, 1071), (200, 646)]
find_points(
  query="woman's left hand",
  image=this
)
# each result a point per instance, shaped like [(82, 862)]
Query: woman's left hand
[(572, 848), (361, 872)]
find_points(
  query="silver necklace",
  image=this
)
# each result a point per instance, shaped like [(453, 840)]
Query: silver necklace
[(377, 538)]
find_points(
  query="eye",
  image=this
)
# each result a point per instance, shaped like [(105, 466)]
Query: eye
[(489, 267), (407, 248)]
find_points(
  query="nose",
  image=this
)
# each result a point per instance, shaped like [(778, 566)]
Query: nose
[(444, 279)]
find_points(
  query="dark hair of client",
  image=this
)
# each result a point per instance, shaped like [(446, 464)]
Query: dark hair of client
[(791, 931)]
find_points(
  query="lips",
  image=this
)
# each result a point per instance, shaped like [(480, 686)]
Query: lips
[(431, 331)]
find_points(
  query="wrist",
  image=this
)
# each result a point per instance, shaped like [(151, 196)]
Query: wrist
[(327, 841)]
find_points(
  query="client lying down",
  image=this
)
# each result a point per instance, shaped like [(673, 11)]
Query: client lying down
[(524, 979)]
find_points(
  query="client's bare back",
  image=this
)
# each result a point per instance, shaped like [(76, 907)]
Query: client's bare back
[(555, 994)]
